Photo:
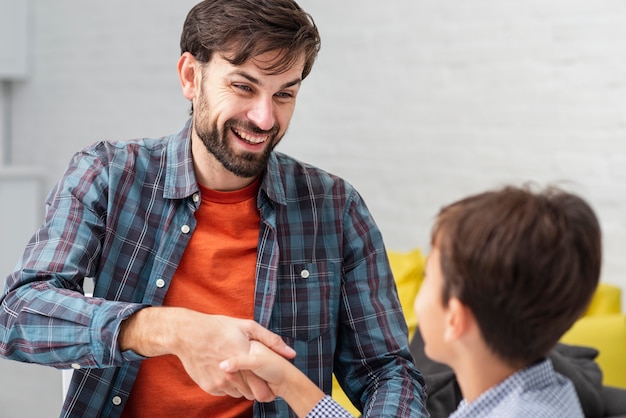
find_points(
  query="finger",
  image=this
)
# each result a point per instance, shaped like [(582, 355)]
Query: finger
[(230, 365), (237, 381), (236, 364), (259, 388), (271, 340), (232, 392)]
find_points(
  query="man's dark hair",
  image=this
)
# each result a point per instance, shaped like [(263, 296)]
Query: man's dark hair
[(526, 264), (244, 29)]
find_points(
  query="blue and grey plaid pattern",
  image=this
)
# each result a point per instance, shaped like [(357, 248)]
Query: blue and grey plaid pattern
[(123, 214), (328, 408), (537, 391)]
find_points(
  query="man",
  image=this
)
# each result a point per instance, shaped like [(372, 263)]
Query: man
[(206, 240)]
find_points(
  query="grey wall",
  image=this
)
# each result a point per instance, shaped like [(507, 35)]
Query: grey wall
[(416, 102)]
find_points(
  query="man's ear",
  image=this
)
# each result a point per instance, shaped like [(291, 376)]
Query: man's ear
[(188, 73), (459, 320)]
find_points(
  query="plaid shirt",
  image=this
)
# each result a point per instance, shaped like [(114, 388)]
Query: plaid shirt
[(534, 392), (123, 214)]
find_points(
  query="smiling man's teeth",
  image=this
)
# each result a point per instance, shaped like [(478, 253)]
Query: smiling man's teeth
[(250, 139)]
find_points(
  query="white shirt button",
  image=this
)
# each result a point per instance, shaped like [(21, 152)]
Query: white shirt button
[(196, 197), (116, 400), (160, 283), (305, 274), (185, 229), (75, 366)]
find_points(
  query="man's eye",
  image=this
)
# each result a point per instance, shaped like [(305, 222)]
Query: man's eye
[(284, 95), (243, 87)]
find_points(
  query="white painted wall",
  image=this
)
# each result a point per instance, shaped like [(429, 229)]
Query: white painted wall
[(419, 103), (416, 102)]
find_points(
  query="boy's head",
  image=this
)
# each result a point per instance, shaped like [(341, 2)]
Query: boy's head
[(525, 264)]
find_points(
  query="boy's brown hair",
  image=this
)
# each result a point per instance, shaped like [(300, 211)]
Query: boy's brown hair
[(525, 263)]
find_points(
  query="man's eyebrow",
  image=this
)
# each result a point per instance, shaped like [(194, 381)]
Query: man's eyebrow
[(292, 83), (258, 82)]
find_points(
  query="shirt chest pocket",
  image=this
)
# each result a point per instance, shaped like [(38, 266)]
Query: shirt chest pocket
[(307, 300)]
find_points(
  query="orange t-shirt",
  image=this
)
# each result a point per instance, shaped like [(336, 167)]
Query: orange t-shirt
[(216, 275)]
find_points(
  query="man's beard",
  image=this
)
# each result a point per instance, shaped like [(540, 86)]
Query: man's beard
[(244, 164)]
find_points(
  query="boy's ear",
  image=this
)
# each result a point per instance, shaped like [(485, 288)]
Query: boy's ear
[(459, 320), (188, 73)]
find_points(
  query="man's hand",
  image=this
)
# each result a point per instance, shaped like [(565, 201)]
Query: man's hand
[(201, 342)]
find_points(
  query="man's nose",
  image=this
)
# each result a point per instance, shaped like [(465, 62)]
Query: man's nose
[(262, 113)]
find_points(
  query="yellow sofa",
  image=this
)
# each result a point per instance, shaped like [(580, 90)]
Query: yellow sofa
[(603, 326)]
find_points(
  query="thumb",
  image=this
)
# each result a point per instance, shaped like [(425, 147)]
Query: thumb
[(241, 362), (231, 365), (272, 341)]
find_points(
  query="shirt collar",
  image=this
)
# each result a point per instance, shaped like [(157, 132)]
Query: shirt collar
[(273, 183), (538, 375), (180, 177)]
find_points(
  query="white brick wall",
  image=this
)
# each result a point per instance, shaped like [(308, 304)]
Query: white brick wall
[(416, 102), (419, 103)]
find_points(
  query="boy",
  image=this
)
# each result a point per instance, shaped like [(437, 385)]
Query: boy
[(509, 272)]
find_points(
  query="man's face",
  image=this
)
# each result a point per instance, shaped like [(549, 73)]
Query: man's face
[(241, 112), (429, 308)]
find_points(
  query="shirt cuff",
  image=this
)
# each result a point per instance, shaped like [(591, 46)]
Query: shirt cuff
[(327, 407)]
